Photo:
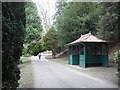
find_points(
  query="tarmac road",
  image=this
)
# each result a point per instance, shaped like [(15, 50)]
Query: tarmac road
[(48, 74)]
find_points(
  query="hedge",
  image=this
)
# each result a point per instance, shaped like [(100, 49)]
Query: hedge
[(13, 26), (117, 60)]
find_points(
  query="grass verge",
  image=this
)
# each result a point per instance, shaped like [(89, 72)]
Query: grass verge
[(62, 60), (27, 73)]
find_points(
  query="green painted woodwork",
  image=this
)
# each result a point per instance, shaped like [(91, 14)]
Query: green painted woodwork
[(82, 61), (103, 59), (85, 54), (68, 55), (82, 58), (94, 59), (70, 59), (74, 59)]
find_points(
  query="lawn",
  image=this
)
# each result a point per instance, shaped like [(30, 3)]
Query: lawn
[(27, 73), (59, 60)]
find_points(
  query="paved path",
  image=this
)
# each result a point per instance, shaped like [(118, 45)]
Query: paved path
[(50, 74)]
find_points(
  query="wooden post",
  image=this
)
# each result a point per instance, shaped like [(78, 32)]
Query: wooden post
[(68, 55), (79, 53), (91, 49), (79, 49), (105, 59), (106, 55), (100, 49), (107, 48), (84, 56), (71, 50), (89, 53)]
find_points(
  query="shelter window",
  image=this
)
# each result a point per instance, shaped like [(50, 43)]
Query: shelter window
[(75, 50), (88, 48), (104, 49), (93, 49), (82, 50), (70, 50), (97, 50)]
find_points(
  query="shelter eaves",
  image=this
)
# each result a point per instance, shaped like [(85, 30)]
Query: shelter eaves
[(86, 38)]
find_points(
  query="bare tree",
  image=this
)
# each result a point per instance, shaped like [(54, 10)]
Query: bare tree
[(45, 11)]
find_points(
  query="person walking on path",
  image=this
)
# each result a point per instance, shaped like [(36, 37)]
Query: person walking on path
[(39, 55)]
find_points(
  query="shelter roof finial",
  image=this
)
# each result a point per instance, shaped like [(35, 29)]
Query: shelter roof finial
[(89, 32)]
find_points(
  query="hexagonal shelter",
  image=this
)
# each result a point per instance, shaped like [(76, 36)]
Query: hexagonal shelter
[(88, 50)]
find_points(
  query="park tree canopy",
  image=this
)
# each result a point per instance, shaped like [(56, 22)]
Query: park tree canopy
[(75, 18), (33, 30), (50, 40), (109, 23), (33, 23)]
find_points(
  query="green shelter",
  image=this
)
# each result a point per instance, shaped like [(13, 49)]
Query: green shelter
[(87, 51)]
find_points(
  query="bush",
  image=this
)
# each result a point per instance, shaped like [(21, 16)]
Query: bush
[(34, 48), (24, 52), (13, 21), (117, 60)]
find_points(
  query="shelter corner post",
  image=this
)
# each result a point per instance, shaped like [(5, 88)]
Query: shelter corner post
[(105, 61)]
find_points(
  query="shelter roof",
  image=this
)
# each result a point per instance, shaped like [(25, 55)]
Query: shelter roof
[(86, 38)]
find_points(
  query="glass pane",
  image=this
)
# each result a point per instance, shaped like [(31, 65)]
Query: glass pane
[(82, 50), (104, 49), (75, 50)]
